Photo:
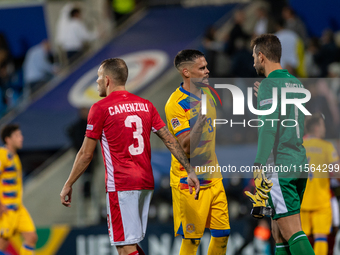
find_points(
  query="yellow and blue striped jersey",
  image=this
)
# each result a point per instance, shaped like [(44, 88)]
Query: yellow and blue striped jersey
[(11, 179), (181, 111), (320, 154)]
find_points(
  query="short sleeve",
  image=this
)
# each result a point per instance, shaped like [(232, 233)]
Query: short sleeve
[(332, 155), (157, 122), (177, 120), (95, 122)]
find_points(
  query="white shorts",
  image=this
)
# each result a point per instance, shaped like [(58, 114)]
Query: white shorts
[(127, 215)]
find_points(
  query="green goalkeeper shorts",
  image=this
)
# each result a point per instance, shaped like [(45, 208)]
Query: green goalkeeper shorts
[(286, 195)]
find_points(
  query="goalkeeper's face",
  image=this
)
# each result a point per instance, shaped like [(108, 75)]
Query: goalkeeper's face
[(101, 82), (259, 67)]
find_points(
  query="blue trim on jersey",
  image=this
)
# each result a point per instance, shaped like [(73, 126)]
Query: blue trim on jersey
[(180, 230), (9, 156), (182, 131), (220, 232), (10, 194), (188, 93), (321, 239), (13, 207), (185, 104), (28, 247), (10, 169), (9, 181), (1, 253)]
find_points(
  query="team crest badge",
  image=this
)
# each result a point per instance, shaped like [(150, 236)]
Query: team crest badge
[(190, 228), (175, 123)]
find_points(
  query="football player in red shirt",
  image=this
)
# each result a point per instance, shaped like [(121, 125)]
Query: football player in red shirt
[(123, 123)]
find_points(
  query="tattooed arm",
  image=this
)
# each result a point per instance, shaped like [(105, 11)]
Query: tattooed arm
[(175, 148)]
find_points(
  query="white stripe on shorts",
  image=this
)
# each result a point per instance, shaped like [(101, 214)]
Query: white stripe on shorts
[(134, 208), (277, 196)]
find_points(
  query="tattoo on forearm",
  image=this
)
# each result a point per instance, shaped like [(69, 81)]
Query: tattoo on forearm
[(174, 147)]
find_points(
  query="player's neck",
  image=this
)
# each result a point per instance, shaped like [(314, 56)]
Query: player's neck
[(270, 67), (192, 88), (11, 149), (111, 89)]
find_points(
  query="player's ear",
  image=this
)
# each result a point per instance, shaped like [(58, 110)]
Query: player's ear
[(107, 80), (186, 72), (261, 57)]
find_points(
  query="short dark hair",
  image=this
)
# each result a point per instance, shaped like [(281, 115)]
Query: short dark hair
[(8, 130), (74, 12), (312, 121), (187, 56), (269, 45), (117, 68)]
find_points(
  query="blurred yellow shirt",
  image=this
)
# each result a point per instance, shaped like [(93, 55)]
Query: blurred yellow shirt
[(11, 179), (320, 154)]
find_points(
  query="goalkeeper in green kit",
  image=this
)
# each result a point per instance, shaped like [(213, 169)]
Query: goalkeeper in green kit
[(280, 146)]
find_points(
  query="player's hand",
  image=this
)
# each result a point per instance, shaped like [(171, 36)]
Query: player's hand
[(201, 119), (3, 209), (256, 87), (193, 182), (262, 184), (66, 192), (257, 202)]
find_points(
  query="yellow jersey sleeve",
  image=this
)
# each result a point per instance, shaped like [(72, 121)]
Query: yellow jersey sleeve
[(176, 116)]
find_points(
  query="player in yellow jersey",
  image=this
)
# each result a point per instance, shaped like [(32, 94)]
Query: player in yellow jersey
[(196, 134), (13, 215), (316, 211)]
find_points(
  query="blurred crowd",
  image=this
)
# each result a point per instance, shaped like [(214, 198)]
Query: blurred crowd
[(318, 59), (22, 76)]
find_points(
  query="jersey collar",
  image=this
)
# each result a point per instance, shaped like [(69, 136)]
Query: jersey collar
[(276, 72), (188, 93)]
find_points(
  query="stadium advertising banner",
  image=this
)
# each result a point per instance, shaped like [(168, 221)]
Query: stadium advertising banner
[(63, 240)]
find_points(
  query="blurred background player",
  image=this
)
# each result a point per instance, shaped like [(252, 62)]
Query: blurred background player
[(196, 134), (14, 217), (316, 211), (279, 146), (123, 122)]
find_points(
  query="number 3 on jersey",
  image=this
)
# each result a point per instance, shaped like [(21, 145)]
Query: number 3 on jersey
[(136, 135)]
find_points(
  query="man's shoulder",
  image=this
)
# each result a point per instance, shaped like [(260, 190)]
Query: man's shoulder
[(5, 154), (317, 142), (176, 97)]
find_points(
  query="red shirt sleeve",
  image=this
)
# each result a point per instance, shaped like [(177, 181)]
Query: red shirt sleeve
[(157, 122), (95, 122)]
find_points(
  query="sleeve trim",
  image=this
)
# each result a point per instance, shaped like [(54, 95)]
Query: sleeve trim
[(182, 131)]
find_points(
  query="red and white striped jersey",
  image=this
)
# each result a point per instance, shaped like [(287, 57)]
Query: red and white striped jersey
[(123, 123)]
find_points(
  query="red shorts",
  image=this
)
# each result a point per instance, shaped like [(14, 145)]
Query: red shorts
[(127, 215)]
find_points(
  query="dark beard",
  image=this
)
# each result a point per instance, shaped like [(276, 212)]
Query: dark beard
[(259, 71)]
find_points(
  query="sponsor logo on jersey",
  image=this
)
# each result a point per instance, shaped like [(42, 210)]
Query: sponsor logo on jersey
[(175, 123), (190, 228), (144, 67), (266, 101), (89, 127)]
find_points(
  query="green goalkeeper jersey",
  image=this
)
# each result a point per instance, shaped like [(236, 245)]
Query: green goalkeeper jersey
[(278, 135)]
